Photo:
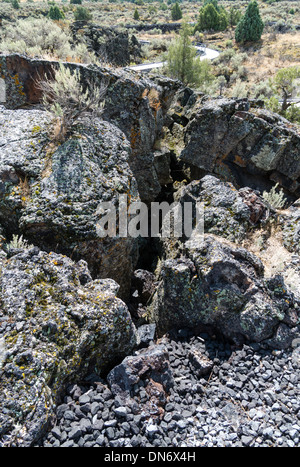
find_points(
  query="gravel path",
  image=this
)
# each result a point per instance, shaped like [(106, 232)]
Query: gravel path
[(234, 397)]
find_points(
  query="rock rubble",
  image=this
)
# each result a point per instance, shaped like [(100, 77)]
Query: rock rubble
[(246, 396)]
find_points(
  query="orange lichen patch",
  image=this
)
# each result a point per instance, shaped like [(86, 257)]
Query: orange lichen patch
[(153, 98), (18, 85), (16, 79), (135, 136), (239, 161)]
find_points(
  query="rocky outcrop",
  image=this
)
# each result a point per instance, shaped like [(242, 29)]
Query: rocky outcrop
[(56, 324), (220, 286), (51, 193), (164, 27), (228, 212), (248, 146), (290, 224), (60, 316), (137, 106), (209, 281), (109, 44)]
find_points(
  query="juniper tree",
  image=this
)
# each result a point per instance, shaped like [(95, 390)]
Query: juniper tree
[(250, 27), (55, 13), (176, 12), (183, 62), (212, 17), (15, 4), (285, 83), (82, 14)]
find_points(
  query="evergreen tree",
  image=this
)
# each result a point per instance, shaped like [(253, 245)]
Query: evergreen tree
[(183, 62), (136, 15), (55, 13), (285, 83), (250, 27), (15, 4), (212, 17), (223, 21), (176, 12), (82, 14), (212, 2), (234, 16), (75, 2)]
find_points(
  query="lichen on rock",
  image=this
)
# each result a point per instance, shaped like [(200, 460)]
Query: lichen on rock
[(211, 280), (56, 325), (51, 193)]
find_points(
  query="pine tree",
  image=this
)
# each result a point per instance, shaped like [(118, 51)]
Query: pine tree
[(176, 12), (136, 15), (251, 26)]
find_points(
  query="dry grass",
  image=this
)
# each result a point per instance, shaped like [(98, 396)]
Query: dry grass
[(274, 53), (274, 256)]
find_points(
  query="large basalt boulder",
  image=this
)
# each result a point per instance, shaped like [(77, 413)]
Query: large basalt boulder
[(51, 193), (56, 325), (208, 279), (250, 147), (135, 104), (221, 286), (228, 212)]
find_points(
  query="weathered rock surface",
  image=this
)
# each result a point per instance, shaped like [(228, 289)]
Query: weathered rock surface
[(59, 318), (290, 223), (136, 105), (222, 286), (208, 280), (153, 362), (56, 324), (228, 212), (250, 147), (52, 193)]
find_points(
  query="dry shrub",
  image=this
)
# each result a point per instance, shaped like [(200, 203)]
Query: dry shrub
[(69, 101)]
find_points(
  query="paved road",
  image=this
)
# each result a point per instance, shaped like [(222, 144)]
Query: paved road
[(209, 54)]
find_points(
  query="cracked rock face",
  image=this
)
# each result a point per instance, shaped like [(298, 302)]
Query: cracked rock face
[(220, 286), (210, 280), (225, 137), (53, 329), (134, 104), (60, 316), (52, 193), (290, 222), (116, 47)]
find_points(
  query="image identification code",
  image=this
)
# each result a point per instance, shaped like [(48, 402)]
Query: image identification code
[(151, 456)]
